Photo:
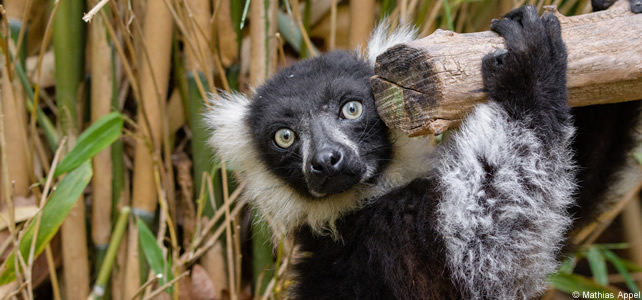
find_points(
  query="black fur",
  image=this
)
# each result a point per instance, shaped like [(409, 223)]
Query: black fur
[(313, 89), (386, 251), (604, 138)]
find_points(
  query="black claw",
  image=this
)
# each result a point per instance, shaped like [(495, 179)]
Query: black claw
[(499, 56)]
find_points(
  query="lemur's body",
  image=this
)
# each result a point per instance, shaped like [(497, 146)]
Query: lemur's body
[(379, 215)]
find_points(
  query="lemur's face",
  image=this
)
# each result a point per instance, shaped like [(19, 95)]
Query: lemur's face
[(316, 126), (310, 146)]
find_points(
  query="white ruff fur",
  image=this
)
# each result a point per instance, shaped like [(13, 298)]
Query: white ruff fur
[(381, 39), (279, 203)]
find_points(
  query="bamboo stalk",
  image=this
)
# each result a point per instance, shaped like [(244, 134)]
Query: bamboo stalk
[(175, 112), (361, 21), (110, 257), (632, 227), (202, 156), (18, 154), (262, 30), (225, 35), (101, 98), (154, 65), (262, 63), (120, 186), (68, 40), (131, 278), (15, 118), (333, 26)]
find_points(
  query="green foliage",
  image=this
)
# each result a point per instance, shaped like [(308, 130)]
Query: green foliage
[(154, 255), (93, 140), (597, 256), (598, 265), (52, 215), (621, 268), (570, 283), (638, 157)]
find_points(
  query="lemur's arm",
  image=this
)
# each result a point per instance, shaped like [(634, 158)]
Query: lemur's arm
[(506, 177)]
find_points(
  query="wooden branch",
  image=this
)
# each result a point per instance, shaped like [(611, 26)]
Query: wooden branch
[(430, 84)]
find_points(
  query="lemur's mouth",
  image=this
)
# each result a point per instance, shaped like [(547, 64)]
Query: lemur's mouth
[(332, 171), (324, 186)]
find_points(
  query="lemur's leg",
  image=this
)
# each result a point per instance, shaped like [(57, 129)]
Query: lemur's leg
[(506, 177)]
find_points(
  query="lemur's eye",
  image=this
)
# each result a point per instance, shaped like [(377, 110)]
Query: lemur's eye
[(352, 110), (284, 138)]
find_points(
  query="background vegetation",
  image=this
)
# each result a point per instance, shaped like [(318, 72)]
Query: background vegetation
[(108, 188)]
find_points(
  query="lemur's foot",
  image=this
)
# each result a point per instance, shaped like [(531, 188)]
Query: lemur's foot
[(529, 77)]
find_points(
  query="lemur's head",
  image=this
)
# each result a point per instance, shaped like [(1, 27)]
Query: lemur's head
[(316, 126), (310, 144)]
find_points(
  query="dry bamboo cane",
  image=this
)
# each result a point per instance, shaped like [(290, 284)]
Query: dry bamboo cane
[(154, 75), (213, 261), (632, 227), (225, 34), (101, 94), (428, 85), (69, 48), (362, 14), (262, 63), (263, 50), (15, 118)]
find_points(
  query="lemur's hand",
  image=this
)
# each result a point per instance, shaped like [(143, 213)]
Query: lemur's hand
[(636, 5), (529, 77)]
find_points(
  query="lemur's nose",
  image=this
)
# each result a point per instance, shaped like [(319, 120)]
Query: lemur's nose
[(327, 161)]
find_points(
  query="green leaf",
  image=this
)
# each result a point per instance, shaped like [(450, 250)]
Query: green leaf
[(54, 213), (621, 268), (245, 10), (612, 246), (567, 265), (448, 15), (598, 265), (153, 254), (97, 137), (572, 283), (631, 266), (638, 157)]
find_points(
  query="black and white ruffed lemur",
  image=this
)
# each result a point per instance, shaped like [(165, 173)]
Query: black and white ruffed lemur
[(383, 216)]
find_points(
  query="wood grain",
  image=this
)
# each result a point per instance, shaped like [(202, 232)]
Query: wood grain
[(430, 84)]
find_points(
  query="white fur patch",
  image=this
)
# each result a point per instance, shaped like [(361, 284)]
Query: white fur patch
[(278, 203), (503, 207), (381, 39), (231, 138)]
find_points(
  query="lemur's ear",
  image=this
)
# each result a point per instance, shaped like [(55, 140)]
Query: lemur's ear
[(381, 39), (231, 137)]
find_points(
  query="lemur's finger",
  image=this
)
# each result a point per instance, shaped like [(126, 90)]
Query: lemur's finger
[(525, 15), (511, 31), (553, 33)]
